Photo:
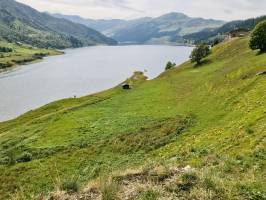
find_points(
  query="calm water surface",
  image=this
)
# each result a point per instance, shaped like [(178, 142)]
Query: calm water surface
[(80, 72)]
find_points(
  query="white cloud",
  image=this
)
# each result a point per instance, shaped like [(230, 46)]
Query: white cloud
[(219, 9)]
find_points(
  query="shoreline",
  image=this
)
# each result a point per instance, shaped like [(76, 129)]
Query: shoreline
[(159, 70), (15, 65), (22, 55)]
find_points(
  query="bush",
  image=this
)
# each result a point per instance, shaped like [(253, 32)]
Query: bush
[(4, 160), (149, 195), (252, 193), (201, 51), (188, 181), (109, 189), (159, 173), (70, 186), (216, 41), (5, 49), (170, 65), (25, 157), (258, 37), (5, 65)]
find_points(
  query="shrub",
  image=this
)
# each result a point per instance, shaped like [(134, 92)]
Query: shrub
[(5, 49), (149, 195), (201, 51), (4, 160), (170, 65), (216, 41), (249, 130), (252, 193), (209, 184), (5, 65), (70, 186), (25, 157), (188, 181), (258, 37), (109, 189), (159, 173), (9, 159)]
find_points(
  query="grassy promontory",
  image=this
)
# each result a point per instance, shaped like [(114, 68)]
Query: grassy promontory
[(17, 54), (212, 117)]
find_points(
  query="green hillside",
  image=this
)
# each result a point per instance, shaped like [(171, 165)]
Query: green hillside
[(13, 54), (209, 35), (21, 23), (211, 117)]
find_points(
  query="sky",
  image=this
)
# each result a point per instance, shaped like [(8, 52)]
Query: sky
[(130, 9)]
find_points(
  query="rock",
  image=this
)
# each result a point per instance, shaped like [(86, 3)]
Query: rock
[(187, 169)]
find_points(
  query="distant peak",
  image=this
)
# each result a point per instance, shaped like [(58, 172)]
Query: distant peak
[(173, 15)]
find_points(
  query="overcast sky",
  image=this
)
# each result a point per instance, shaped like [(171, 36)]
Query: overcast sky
[(128, 9)]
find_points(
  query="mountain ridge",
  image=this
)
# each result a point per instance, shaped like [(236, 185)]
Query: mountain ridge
[(165, 29), (208, 35), (21, 23)]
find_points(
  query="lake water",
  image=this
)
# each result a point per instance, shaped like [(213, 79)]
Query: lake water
[(80, 72)]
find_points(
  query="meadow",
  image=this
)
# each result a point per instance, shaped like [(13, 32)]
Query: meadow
[(211, 117)]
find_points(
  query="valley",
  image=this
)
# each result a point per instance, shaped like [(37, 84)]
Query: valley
[(135, 101)]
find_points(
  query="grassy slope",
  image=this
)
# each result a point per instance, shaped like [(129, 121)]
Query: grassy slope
[(212, 117), (22, 54)]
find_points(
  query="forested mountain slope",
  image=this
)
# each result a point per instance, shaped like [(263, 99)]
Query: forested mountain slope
[(21, 23), (208, 35)]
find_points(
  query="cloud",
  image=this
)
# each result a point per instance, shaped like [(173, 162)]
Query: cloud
[(222, 9), (99, 3)]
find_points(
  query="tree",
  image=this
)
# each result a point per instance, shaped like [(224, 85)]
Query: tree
[(170, 65), (201, 51), (215, 42), (5, 49), (258, 37)]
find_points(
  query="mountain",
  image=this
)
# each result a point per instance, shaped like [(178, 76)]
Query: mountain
[(166, 29), (209, 35), (211, 117), (21, 23)]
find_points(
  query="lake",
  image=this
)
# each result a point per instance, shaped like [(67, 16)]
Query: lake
[(80, 72)]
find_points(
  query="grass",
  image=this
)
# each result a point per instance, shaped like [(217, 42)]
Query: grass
[(22, 54), (212, 117)]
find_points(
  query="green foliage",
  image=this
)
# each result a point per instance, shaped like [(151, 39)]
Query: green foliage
[(25, 157), (109, 189), (189, 179), (216, 41), (258, 37), (70, 186), (170, 65), (21, 54), (249, 130), (5, 65), (5, 49), (149, 195), (201, 51), (253, 193)]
